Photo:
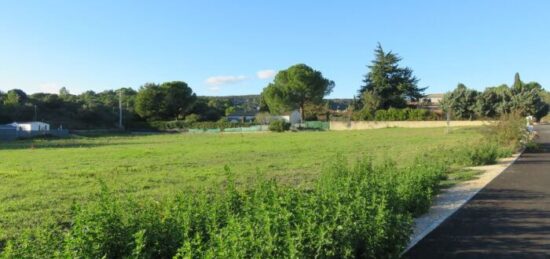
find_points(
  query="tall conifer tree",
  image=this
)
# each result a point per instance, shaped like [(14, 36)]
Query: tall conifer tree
[(392, 83)]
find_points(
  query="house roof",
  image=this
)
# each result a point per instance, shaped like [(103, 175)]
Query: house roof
[(242, 114), (435, 95), (28, 122)]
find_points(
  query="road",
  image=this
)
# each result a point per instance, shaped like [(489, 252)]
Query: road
[(509, 218)]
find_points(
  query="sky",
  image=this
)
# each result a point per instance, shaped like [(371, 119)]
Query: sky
[(236, 47)]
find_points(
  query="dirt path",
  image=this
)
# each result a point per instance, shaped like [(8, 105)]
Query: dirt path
[(509, 218)]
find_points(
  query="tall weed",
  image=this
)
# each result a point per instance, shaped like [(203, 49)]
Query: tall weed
[(362, 211)]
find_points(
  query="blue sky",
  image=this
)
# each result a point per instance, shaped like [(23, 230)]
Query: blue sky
[(219, 47)]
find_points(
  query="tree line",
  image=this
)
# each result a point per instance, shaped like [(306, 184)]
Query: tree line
[(92, 110), (524, 98), (386, 85)]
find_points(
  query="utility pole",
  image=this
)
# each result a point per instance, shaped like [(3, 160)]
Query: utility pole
[(35, 113), (120, 110), (448, 120)]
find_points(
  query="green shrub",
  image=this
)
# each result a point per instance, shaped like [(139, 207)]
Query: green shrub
[(418, 114), (362, 211), (393, 114), (279, 126), (364, 114), (509, 131), (484, 154), (192, 118), (179, 125), (381, 115), (532, 146)]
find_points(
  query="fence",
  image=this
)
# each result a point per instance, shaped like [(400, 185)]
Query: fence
[(12, 134), (316, 125), (311, 125), (362, 125), (256, 128)]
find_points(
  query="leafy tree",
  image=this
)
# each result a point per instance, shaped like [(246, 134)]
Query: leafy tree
[(4, 118), (295, 87), (192, 118), (263, 105), (530, 103), (494, 101), (178, 99), (461, 101), (371, 103), (203, 109), (169, 100), (149, 101), (525, 98), (229, 110), (528, 98), (393, 84), (518, 84), (545, 96), (15, 97)]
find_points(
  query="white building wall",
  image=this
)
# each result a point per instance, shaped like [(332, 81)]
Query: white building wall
[(32, 126), (295, 117)]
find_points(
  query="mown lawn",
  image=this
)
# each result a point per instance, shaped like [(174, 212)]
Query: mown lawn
[(41, 179)]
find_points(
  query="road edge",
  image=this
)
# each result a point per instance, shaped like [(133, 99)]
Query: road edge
[(436, 218)]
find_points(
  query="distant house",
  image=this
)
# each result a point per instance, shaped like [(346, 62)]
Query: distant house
[(433, 99), (29, 129), (31, 126), (292, 117), (241, 117)]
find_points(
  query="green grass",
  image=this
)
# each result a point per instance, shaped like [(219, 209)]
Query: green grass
[(42, 179)]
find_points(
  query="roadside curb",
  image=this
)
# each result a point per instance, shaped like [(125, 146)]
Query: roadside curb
[(451, 200)]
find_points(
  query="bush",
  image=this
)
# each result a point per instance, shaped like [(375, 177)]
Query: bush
[(418, 114), (509, 131), (393, 114), (533, 147), (484, 154), (182, 125), (396, 114), (381, 115), (363, 211), (364, 114), (191, 118), (279, 126)]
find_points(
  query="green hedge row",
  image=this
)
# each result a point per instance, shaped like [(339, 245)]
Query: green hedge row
[(393, 114), (168, 125)]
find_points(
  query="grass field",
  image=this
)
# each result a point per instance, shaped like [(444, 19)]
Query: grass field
[(41, 179)]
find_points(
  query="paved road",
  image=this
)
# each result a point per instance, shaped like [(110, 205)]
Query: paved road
[(509, 218)]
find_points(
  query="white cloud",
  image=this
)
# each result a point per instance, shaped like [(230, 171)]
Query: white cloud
[(223, 80), (266, 74)]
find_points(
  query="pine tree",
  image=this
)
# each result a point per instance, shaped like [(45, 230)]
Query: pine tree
[(393, 84)]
